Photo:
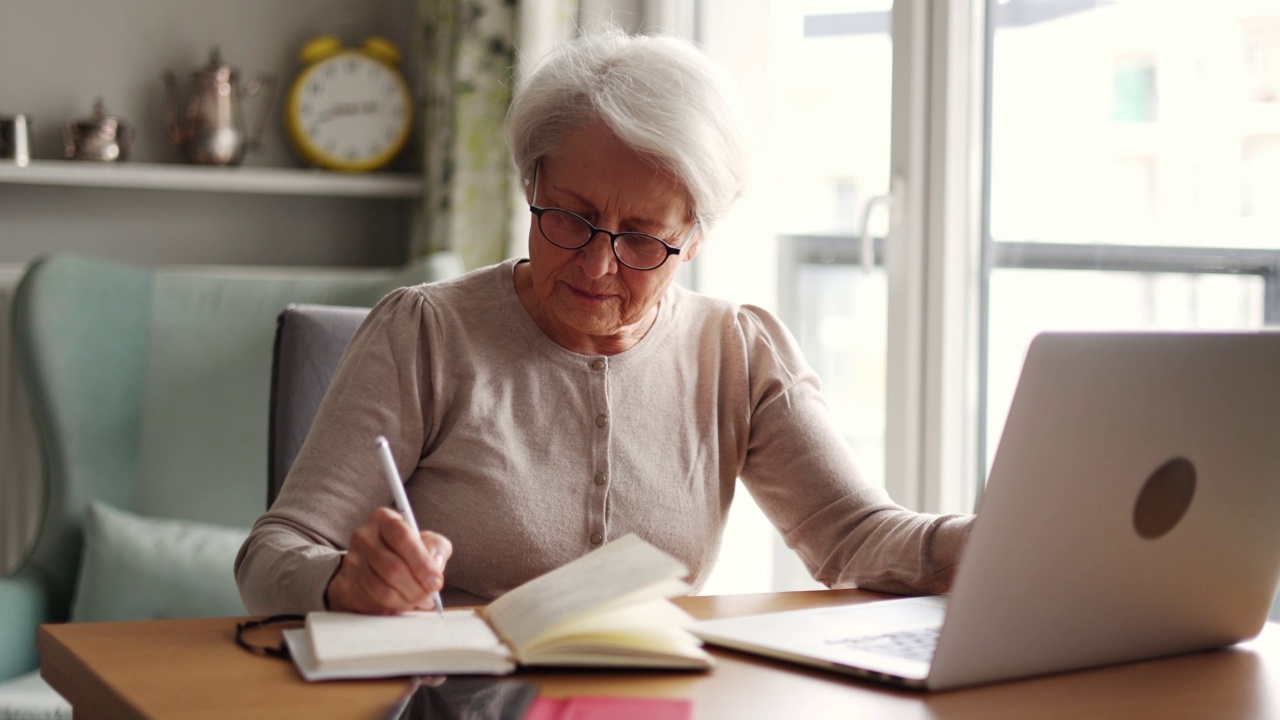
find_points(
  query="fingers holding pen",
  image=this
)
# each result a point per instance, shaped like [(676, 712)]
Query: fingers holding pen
[(414, 547), (424, 556), (415, 564), (439, 550), (387, 569)]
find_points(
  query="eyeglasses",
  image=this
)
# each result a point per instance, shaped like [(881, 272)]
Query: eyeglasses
[(570, 231), (281, 650)]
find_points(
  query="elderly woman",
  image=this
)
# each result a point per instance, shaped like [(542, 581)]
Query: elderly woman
[(543, 406)]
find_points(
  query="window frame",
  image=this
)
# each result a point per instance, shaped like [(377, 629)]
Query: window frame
[(933, 253)]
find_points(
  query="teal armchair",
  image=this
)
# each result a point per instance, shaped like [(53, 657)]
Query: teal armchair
[(150, 387)]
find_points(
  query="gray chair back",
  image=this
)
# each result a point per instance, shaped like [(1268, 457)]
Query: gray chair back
[(310, 340)]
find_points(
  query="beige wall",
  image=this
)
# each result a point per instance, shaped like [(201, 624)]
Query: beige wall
[(59, 55)]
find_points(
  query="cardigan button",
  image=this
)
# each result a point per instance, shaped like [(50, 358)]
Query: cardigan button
[(600, 478), (596, 538), (602, 420), (598, 364)]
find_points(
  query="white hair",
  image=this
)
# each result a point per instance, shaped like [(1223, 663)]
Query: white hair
[(660, 95)]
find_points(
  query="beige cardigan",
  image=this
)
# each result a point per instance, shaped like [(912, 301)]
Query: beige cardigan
[(527, 455)]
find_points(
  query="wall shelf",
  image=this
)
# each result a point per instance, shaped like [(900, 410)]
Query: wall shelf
[(195, 178)]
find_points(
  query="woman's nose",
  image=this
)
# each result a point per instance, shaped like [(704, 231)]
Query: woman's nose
[(597, 258)]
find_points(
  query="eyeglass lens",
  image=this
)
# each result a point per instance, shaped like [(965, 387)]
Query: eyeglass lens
[(635, 250)]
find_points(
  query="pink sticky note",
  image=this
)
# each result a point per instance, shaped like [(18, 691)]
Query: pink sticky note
[(609, 708)]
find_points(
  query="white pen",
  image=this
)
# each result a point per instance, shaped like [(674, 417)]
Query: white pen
[(402, 501)]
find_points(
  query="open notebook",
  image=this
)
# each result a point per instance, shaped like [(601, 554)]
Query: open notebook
[(608, 608)]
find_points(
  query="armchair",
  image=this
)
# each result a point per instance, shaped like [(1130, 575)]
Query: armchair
[(148, 387)]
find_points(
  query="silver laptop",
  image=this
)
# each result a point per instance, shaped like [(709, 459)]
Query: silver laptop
[(1132, 511)]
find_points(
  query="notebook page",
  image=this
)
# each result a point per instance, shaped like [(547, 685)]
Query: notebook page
[(337, 636), (627, 566)]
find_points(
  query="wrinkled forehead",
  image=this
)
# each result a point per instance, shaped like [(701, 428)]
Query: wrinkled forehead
[(595, 134), (594, 163)]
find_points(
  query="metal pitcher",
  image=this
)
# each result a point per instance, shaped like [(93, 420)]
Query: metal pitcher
[(211, 128)]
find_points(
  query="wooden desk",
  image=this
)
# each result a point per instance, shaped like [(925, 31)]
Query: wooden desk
[(193, 669)]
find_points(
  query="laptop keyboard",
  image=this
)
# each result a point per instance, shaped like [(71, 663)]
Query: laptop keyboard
[(917, 644)]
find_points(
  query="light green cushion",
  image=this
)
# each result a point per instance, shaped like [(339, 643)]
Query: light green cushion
[(28, 697), (142, 568)]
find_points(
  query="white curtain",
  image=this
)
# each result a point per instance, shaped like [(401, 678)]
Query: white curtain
[(470, 57)]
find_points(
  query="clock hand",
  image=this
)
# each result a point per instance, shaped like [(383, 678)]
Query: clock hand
[(338, 110)]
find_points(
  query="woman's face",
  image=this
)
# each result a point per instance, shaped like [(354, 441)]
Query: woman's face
[(585, 299)]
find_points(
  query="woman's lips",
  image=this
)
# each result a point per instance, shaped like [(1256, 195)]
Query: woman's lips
[(589, 295)]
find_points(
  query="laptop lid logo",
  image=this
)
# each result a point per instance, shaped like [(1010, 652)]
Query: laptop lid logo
[(1164, 498)]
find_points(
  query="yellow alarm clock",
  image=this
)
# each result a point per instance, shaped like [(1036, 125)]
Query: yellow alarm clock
[(349, 108)]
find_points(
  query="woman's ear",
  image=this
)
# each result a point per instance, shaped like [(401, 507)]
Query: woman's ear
[(691, 251)]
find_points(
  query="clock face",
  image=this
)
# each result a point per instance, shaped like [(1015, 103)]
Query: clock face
[(349, 112)]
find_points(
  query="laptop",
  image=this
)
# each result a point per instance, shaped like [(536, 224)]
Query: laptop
[(1132, 511)]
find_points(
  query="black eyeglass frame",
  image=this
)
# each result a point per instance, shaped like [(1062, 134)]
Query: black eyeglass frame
[(538, 212), (280, 651)]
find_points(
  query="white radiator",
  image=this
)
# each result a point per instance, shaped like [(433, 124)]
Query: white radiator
[(21, 487)]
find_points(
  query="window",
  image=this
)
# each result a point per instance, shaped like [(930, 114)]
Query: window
[(958, 175), (1135, 172)]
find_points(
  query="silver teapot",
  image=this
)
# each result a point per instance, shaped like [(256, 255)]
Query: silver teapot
[(211, 130), (100, 138)]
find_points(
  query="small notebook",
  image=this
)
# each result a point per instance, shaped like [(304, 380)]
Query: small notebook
[(609, 608)]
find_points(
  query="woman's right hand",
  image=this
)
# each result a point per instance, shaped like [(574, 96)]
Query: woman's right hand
[(387, 569)]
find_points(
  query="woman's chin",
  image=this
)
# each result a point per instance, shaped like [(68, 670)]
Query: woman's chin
[(595, 315)]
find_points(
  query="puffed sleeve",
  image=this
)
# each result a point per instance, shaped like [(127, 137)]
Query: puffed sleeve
[(382, 386), (804, 476)]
